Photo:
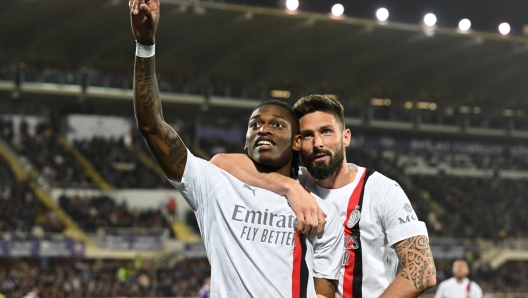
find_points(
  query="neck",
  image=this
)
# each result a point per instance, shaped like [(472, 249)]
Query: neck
[(342, 177), (460, 279)]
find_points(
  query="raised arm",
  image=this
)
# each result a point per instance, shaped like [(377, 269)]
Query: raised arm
[(310, 217), (162, 140), (418, 271)]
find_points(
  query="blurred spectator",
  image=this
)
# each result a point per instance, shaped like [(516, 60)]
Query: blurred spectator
[(205, 290)]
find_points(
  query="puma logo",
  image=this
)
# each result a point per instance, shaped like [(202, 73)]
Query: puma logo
[(249, 187)]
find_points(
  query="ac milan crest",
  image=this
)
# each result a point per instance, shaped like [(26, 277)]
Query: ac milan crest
[(354, 217)]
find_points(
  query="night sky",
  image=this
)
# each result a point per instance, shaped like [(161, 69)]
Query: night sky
[(485, 15)]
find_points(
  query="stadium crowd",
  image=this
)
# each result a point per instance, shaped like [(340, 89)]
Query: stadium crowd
[(91, 213), (102, 278), (20, 210), (110, 278), (119, 164), (51, 161)]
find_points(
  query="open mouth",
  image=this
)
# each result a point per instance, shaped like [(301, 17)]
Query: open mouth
[(264, 143)]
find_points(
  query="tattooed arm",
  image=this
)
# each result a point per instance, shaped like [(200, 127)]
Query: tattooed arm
[(162, 140), (418, 272)]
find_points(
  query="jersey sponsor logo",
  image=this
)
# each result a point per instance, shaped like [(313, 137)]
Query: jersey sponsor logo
[(257, 218), (354, 217), (253, 190), (407, 219)]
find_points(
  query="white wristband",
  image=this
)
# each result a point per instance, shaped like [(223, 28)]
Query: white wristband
[(144, 51)]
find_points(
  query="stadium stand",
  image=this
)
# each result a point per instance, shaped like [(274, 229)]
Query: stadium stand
[(56, 166), (21, 212), (119, 164), (472, 201), (103, 278), (92, 213)]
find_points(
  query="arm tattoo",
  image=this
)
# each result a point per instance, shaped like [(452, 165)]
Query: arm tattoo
[(163, 141), (417, 262), (146, 95)]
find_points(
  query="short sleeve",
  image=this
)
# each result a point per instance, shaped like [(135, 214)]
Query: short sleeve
[(199, 178), (398, 216), (440, 290), (476, 291), (328, 247)]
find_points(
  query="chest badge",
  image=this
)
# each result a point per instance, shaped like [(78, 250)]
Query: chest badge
[(354, 217)]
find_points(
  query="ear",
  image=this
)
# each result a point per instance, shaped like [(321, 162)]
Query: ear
[(347, 136), (297, 142)]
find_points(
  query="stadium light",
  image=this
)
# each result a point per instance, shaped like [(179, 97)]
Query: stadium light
[(292, 4), (382, 14), (338, 10), (430, 19), (280, 93), (504, 28), (464, 25)]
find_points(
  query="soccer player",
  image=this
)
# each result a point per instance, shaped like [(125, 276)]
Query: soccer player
[(459, 286), (248, 232), (379, 222)]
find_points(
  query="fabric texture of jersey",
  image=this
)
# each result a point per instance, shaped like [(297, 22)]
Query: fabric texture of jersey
[(250, 240), (450, 288), (375, 214)]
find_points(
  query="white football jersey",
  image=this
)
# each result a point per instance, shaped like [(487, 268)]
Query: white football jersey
[(450, 288), (250, 240), (376, 214)]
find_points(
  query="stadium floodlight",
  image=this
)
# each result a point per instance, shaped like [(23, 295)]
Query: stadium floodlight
[(430, 19), (382, 14), (292, 4), (338, 10), (464, 25), (280, 93), (504, 28)]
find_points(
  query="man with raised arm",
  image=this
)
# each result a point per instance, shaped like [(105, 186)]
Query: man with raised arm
[(379, 222), (248, 232)]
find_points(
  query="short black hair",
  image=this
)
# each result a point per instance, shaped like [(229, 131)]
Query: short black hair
[(287, 107)]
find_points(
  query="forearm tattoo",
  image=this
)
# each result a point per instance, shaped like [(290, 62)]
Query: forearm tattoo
[(166, 146), (417, 262), (146, 95)]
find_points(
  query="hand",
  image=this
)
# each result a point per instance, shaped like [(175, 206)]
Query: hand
[(310, 217), (145, 19)]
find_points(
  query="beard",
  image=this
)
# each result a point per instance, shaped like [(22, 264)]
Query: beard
[(321, 170)]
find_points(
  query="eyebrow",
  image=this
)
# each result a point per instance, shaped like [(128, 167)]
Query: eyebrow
[(319, 128), (275, 115)]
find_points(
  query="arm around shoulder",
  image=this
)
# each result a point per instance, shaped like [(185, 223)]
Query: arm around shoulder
[(310, 218)]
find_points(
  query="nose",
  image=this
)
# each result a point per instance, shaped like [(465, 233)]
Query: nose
[(264, 130), (317, 141)]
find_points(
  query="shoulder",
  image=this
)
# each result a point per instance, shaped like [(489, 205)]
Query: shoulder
[(379, 180), (448, 281), (475, 286), (381, 187)]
